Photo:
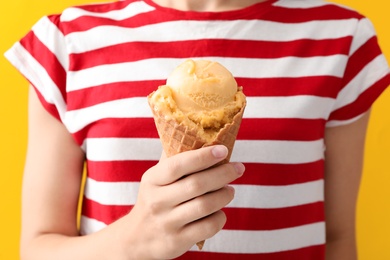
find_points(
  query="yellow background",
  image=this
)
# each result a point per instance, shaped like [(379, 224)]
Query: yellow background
[(16, 18)]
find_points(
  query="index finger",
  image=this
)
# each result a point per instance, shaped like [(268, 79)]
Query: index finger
[(173, 168)]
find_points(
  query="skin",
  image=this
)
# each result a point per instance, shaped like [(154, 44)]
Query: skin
[(174, 206)]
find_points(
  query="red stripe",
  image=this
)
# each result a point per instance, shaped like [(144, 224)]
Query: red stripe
[(109, 92), (284, 87), (104, 213), (272, 219), (47, 59), (281, 174), (118, 171), (270, 87), (250, 129), (87, 22), (360, 58), (255, 174), (237, 218), (307, 253), (363, 102), (208, 47), (301, 15), (118, 127), (291, 129)]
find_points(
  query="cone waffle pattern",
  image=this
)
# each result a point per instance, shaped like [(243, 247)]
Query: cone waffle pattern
[(177, 138)]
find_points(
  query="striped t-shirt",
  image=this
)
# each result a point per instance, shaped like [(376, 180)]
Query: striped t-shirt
[(304, 65)]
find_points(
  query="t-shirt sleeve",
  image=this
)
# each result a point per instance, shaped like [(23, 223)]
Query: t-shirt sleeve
[(366, 76), (41, 57)]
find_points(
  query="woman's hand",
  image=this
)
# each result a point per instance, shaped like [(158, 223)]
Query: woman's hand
[(179, 203)]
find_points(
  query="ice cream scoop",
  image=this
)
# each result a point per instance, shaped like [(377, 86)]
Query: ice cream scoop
[(200, 94)]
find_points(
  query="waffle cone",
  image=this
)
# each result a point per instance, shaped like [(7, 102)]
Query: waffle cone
[(177, 138)]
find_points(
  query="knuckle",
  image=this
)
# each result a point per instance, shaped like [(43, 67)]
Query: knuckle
[(154, 207), (172, 166), (203, 207), (200, 157), (192, 185)]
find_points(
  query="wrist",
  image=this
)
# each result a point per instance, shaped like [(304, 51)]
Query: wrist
[(126, 241)]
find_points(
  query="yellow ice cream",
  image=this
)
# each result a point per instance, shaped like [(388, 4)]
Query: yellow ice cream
[(201, 85), (201, 94)]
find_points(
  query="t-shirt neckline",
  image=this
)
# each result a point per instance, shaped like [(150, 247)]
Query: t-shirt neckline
[(258, 8)]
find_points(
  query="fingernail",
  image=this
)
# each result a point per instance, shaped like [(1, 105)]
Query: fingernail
[(219, 151), (240, 168)]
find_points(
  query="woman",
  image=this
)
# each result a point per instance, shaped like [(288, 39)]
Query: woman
[(310, 70)]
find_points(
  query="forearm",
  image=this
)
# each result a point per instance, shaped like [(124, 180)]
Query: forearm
[(105, 244), (56, 246)]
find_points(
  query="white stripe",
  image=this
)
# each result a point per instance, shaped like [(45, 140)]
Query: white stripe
[(111, 193), (368, 76), (127, 12), (37, 75), (240, 241), (284, 152), (307, 107), (114, 149), (122, 108), (122, 72), (285, 67), (252, 242), (365, 30), (194, 30), (117, 149), (160, 68), (268, 197), (246, 196), (53, 39), (89, 225)]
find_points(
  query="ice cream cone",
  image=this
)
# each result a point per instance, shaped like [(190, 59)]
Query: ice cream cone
[(177, 138), (200, 105)]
